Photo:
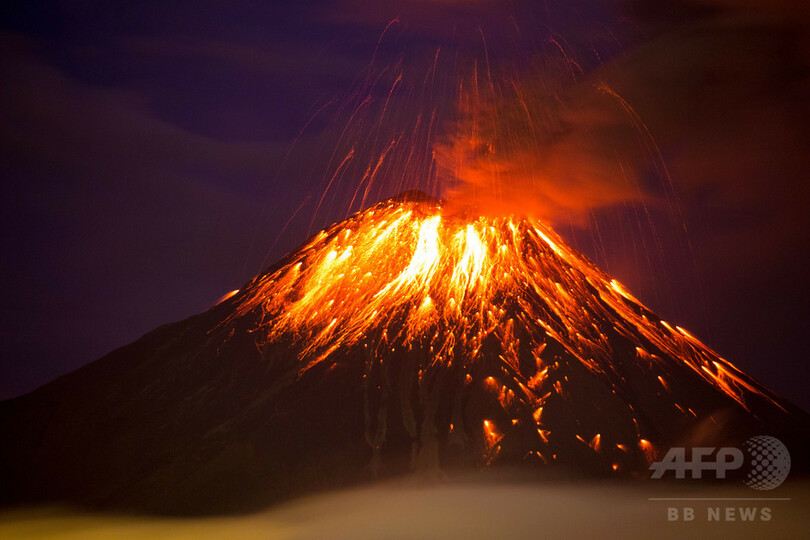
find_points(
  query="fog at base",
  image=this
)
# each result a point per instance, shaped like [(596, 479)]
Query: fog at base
[(471, 509)]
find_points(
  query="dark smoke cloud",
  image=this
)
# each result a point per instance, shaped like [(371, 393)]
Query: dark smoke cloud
[(556, 152), (698, 124), (718, 97), (726, 98)]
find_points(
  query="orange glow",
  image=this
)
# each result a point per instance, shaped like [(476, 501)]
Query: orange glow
[(536, 380), (491, 434), (595, 442), (648, 448), (505, 397), (408, 275), (226, 296), (616, 286)]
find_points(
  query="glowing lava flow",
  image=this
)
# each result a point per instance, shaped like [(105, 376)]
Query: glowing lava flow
[(405, 274)]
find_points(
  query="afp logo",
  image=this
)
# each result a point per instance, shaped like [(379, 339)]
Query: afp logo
[(769, 462)]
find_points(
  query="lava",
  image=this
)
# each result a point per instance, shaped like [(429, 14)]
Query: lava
[(407, 274)]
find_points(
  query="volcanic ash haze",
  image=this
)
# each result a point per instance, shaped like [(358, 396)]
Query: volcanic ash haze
[(404, 339)]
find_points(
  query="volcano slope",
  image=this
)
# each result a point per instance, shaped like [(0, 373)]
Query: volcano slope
[(403, 340)]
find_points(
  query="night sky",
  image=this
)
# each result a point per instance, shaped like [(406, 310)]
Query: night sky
[(156, 155)]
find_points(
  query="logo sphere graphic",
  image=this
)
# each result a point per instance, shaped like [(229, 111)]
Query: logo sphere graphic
[(770, 462)]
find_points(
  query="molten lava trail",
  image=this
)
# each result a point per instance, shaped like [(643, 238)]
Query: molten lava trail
[(405, 274)]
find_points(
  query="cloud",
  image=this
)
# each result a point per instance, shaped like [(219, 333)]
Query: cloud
[(726, 98), (55, 119), (718, 97), (116, 220), (554, 153)]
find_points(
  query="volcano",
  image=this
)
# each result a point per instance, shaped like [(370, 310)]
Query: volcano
[(405, 340)]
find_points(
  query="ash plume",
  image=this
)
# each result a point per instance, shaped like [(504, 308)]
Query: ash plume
[(556, 152), (696, 98)]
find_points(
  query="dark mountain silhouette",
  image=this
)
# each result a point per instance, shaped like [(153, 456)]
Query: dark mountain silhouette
[(399, 341)]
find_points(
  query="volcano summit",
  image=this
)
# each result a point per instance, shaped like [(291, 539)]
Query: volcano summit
[(404, 339)]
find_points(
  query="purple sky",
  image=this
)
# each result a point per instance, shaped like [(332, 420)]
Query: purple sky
[(149, 166)]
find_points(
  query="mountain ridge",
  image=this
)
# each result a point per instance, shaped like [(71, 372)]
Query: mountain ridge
[(262, 398)]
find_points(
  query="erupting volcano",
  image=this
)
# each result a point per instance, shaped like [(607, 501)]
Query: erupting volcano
[(405, 339)]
